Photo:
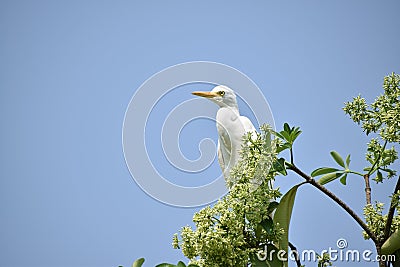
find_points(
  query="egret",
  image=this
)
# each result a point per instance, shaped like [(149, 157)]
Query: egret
[(231, 127)]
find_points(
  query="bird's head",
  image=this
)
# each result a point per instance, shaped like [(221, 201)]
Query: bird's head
[(221, 95)]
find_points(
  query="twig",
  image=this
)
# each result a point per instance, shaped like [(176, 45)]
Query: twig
[(391, 213), (367, 189), (377, 159), (366, 176), (294, 250), (291, 156), (332, 196)]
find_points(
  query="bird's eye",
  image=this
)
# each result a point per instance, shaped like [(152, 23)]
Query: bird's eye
[(221, 93)]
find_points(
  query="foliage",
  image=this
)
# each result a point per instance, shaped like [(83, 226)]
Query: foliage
[(240, 225), (138, 262), (283, 215), (229, 233), (383, 114), (381, 117), (324, 260), (232, 231), (392, 244), (330, 174), (377, 221)]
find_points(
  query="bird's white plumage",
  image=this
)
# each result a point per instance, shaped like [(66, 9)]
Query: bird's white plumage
[(231, 127)]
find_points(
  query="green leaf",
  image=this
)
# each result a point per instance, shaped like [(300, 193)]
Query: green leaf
[(138, 262), (371, 161), (279, 135), (327, 178), (181, 264), (255, 262), (283, 214), (286, 127), (347, 161), (279, 166), (286, 136), (295, 133), (283, 147), (392, 243), (343, 180), (396, 254), (268, 225), (379, 177), (386, 161), (272, 206), (386, 170), (166, 265), (258, 231), (338, 158), (323, 170)]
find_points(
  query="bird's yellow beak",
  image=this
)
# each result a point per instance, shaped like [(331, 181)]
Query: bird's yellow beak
[(205, 94)]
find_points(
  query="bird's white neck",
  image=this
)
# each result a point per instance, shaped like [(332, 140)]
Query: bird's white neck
[(234, 109)]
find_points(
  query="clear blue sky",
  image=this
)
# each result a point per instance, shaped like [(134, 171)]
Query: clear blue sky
[(68, 70)]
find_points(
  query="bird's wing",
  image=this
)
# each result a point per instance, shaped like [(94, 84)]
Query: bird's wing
[(231, 129), (221, 160), (248, 126)]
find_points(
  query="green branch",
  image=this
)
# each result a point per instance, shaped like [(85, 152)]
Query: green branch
[(332, 196), (377, 159), (392, 209)]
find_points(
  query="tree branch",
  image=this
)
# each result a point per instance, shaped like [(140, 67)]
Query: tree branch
[(294, 250), (391, 213), (367, 189), (366, 176), (332, 196), (291, 156)]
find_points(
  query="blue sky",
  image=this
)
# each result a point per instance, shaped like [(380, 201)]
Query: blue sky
[(68, 70)]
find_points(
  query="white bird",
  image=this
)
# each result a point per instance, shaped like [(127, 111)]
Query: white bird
[(231, 127)]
